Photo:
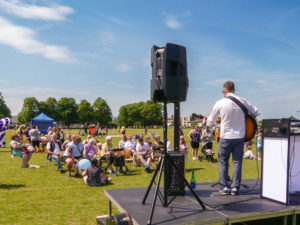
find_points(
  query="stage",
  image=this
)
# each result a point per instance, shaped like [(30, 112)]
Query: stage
[(220, 209)]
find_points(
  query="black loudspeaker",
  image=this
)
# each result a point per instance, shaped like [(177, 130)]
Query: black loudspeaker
[(169, 73), (173, 182)]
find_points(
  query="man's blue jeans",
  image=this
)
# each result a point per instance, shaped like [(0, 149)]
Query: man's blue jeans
[(226, 147), (56, 158)]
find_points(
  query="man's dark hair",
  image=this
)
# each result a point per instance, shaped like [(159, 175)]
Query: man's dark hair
[(229, 86)]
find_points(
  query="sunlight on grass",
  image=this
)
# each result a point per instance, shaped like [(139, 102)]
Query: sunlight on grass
[(44, 196)]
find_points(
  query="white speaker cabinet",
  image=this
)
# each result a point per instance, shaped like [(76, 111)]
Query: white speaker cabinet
[(280, 167)]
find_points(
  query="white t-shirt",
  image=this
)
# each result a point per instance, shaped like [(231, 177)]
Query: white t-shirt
[(142, 149), (122, 144), (56, 147), (232, 117), (130, 144)]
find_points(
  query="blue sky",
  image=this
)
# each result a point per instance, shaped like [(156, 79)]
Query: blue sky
[(92, 48)]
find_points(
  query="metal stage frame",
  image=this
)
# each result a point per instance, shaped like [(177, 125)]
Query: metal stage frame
[(220, 209)]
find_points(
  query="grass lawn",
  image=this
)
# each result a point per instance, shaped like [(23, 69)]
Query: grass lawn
[(44, 196)]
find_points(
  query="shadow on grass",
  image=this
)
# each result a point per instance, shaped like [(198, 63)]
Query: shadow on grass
[(191, 169), (11, 186), (4, 151)]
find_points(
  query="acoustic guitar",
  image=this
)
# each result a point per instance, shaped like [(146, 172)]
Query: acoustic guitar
[(251, 127), (250, 121), (250, 124)]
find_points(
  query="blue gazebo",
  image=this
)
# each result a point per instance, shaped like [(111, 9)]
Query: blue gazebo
[(43, 122)]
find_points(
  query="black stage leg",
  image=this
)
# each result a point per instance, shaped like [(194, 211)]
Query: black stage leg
[(156, 190)]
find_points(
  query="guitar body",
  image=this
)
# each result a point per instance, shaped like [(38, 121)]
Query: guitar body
[(251, 128)]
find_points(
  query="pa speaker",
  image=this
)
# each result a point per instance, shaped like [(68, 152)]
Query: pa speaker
[(174, 183), (169, 73)]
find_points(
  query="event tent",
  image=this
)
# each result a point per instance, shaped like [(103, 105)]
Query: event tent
[(43, 122)]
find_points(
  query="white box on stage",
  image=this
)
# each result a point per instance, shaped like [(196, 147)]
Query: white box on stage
[(280, 160)]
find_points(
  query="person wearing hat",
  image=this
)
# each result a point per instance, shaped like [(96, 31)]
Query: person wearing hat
[(20, 149)]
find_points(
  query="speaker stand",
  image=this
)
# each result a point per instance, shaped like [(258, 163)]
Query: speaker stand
[(162, 167)]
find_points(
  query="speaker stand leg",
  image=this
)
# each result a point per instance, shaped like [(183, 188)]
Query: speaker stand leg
[(156, 190)]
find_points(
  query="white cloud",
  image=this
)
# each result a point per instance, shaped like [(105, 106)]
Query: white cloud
[(261, 82), (124, 68), (54, 12), (23, 39), (107, 38), (217, 82), (172, 22)]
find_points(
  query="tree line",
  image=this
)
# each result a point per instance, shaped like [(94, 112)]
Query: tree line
[(67, 111), (4, 110), (141, 114)]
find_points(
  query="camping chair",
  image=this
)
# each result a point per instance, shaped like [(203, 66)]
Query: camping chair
[(127, 155), (118, 162)]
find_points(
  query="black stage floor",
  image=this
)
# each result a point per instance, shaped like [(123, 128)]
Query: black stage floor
[(185, 209)]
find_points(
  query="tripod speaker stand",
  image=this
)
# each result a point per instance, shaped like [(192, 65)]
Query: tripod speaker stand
[(164, 159)]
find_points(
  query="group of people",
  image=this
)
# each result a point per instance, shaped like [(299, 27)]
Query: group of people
[(73, 149), (231, 138)]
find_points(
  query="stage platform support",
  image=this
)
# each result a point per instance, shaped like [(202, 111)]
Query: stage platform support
[(248, 206)]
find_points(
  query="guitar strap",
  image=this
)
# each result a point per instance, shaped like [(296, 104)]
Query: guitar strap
[(245, 110)]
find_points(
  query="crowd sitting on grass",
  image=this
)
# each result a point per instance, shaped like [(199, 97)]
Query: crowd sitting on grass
[(72, 149)]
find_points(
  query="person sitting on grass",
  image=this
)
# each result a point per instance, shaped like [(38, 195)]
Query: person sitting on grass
[(94, 176), (144, 154), (130, 143), (72, 155), (107, 153), (248, 151), (157, 148), (20, 149), (66, 142), (90, 149), (122, 142), (148, 141), (54, 149)]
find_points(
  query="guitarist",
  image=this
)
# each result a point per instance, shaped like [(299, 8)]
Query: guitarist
[(232, 136)]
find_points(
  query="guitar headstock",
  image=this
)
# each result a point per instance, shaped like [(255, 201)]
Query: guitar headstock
[(197, 116)]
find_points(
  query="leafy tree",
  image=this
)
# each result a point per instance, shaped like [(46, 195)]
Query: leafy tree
[(52, 108), (4, 110), (67, 111), (123, 118), (141, 114), (152, 114), (49, 107), (101, 112), (85, 111), (30, 109)]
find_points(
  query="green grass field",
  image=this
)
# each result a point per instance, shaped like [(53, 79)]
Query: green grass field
[(45, 196)]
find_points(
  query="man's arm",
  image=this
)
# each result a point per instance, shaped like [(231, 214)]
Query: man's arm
[(211, 120), (252, 109)]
